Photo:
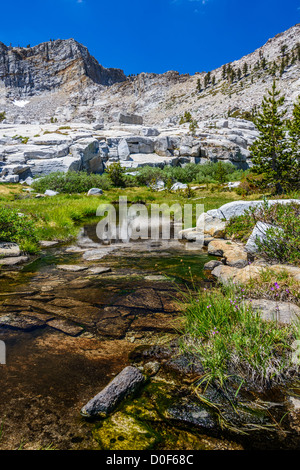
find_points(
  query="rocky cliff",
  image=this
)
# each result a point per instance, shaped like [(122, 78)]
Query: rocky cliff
[(60, 80), (51, 66)]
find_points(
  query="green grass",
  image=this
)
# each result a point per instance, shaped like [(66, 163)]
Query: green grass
[(232, 341), (59, 217)]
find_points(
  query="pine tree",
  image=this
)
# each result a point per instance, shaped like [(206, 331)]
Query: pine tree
[(239, 73), (206, 79), (224, 72), (271, 155), (213, 80), (245, 68), (199, 86)]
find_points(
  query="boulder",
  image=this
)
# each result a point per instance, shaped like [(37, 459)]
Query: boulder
[(150, 132), (211, 265), (124, 384), (212, 226), (8, 250), (259, 233), (281, 312), (95, 192), (237, 208), (50, 193), (123, 150), (130, 119)]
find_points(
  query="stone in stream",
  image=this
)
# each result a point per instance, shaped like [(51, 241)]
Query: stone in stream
[(13, 260), (47, 243), (124, 432), (99, 270), (123, 385), (211, 265), (20, 322), (66, 327), (72, 268)]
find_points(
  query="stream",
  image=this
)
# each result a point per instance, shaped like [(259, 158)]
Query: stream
[(74, 317)]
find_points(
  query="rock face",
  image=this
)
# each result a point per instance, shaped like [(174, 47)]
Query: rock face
[(28, 151), (50, 66), (127, 382), (32, 81)]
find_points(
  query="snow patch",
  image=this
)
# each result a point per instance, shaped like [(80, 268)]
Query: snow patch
[(20, 103)]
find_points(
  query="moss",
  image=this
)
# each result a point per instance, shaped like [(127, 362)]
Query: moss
[(124, 432)]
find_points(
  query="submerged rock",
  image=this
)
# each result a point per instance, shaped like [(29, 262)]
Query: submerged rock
[(124, 432), (124, 384)]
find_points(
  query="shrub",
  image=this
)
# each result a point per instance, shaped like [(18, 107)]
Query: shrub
[(282, 241), (2, 116), (116, 174), (17, 229), (71, 182)]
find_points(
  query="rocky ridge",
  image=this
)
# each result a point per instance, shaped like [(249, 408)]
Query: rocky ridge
[(61, 80)]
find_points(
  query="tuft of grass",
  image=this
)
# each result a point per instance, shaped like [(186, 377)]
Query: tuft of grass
[(230, 339)]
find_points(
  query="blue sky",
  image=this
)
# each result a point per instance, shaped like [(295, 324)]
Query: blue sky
[(152, 35)]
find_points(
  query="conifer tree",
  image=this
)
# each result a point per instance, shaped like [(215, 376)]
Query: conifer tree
[(245, 68), (271, 155)]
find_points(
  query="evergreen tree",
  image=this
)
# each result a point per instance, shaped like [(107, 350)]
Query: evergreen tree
[(263, 63), (224, 72), (213, 80), (239, 74), (245, 68), (271, 155), (199, 85), (206, 79), (298, 50)]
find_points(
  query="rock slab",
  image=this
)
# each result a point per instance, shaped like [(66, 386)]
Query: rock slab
[(124, 384)]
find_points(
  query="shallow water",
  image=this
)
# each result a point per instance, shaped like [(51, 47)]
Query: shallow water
[(50, 374), (52, 370)]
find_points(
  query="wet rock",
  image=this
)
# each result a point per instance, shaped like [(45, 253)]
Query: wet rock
[(99, 270), (20, 322), (66, 327), (184, 365), (123, 385), (211, 265), (13, 260), (235, 255), (192, 414), (114, 322), (72, 268), (48, 244), (151, 368), (142, 298), (94, 255), (68, 303), (124, 432)]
